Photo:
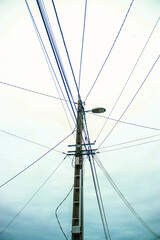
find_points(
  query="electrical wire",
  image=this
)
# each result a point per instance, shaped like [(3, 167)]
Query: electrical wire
[(134, 67), (65, 47), (131, 100), (97, 186), (30, 141), (100, 195), (33, 91), (129, 123), (32, 197), (135, 140), (123, 197), (110, 49), (56, 212), (84, 25), (50, 66), (98, 199), (34, 161), (51, 38), (135, 145)]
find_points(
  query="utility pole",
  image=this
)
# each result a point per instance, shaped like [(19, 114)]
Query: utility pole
[(77, 218)]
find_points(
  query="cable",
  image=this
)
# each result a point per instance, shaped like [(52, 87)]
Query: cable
[(98, 200), (34, 161), (135, 140), (123, 198), (135, 145), (27, 140), (50, 66), (55, 52), (132, 124), (32, 91), (97, 187), (56, 212), (131, 100), (84, 24), (128, 77), (32, 197), (110, 49), (65, 47)]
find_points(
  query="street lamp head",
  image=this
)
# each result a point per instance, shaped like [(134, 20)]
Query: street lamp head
[(98, 110)]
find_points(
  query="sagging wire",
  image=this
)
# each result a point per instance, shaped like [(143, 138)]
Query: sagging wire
[(56, 213)]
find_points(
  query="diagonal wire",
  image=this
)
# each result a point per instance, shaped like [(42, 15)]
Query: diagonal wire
[(135, 145), (51, 69), (66, 48), (97, 187), (32, 197), (131, 100), (52, 41), (30, 141), (110, 49), (84, 24), (123, 198), (129, 123), (128, 77), (135, 140), (33, 91), (34, 162)]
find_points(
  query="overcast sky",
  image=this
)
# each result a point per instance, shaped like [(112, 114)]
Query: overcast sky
[(41, 119)]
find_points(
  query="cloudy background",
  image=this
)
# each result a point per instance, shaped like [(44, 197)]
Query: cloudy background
[(41, 119)]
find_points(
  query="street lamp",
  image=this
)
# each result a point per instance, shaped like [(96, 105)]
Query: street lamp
[(97, 110)]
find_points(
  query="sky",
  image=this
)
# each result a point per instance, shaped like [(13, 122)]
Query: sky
[(31, 123)]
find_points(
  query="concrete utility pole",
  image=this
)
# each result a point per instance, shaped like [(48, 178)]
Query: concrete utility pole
[(77, 218)]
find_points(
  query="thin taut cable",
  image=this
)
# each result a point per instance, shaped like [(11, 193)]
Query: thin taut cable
[(134, 67), (34, 161), (84, 25), (110, 49), (131, 100), (32, 197)]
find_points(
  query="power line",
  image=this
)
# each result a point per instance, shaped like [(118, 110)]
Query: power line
[(27, 140), (34, 161), (32, 197), (33, 91), (97, 187), (135, 145), (65, 47), (55, 51), (56, 212), (110, 49), (131, 100), (50, 66), (129, 123), (135, 140), (128, 77), (123, 198), (84, 25)]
